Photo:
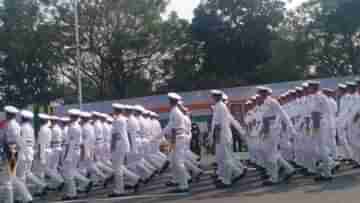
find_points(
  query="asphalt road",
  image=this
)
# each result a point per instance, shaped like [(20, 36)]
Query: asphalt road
[(345, 188)]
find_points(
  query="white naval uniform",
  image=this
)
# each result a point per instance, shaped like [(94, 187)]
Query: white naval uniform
[(45, 155), (226, 164), (176, 128), (150, 154), (145, 143), (306, 156), (57, 138), (343, 127), (320, 135), (119, 147), (12, 135), (107, 140), (6, 189), (272, 115), (190, 158), (134, 157), (332, 138), (159, 140), (26, 157), (72, 157), (89, 142), (353, 122)]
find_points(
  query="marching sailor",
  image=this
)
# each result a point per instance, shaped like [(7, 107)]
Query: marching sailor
[(26, 154), (176, 130), (272, 114), (221, 123)]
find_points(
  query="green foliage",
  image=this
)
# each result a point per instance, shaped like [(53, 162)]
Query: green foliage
[(128, 49), (236, 35), (27, 60)]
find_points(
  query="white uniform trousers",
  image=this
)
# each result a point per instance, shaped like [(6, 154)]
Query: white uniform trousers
[(25, 174), (178, 156), (118, 161)]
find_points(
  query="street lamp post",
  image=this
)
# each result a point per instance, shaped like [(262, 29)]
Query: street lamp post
[(78, 52)]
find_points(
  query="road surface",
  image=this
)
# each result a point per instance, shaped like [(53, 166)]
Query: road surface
[(345, 188)]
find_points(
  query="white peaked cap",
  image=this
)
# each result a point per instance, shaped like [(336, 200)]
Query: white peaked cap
[(147, 112), (305, 84), (97, 114), (74, 112), (138, 108), (55, 118), (216, 92), (27, 114), (118, 106), (130, 107), (85, 114), (143, 110), (104, 115), (263, 88), (44, 116), (64, 119), (343, 86), (175, 96), (11, 109)]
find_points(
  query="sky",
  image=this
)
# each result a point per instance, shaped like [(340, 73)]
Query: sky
[(185, 8)]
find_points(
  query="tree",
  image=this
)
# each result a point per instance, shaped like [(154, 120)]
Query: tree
[(333, 31), (27, 58), (236, 37), (124, 46)]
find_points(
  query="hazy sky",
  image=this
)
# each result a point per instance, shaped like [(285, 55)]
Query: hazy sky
[(185, 7)]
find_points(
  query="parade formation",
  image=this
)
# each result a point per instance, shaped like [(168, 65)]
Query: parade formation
[(306, 131)]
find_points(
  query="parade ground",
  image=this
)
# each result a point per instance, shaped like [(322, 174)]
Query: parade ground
[(343, 189)]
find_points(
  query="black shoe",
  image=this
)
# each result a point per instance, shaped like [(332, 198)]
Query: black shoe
[(89, 187), (335, 169), (240, 176), (265, 176), (165, 166), (137, 186), (323, 179), (128, 187), (356, 166), (171, 184), (214, 176), (51, 189), (269, 183), (108, 181), (67, 198), (221, 185), (116, 195), (216, 181), (197, 178), (146, 181), (179, 191), (307, 173), (152, 175), (60, 187), (41, 194), (288, 176)]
